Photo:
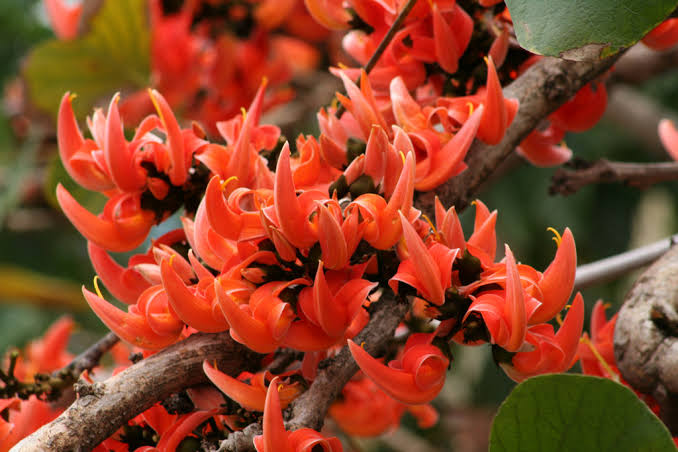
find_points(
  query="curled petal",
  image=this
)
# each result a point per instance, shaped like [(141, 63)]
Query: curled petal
[(425, 269), (248, 330), (398, 384), (119, 158), (515, 305), (125, 284), (558, 280), (112, 236), (275, 435), (570, 331), (248, 396), (129, 327), (495, 118), (193, 310), (177, 172), (446, 160), (332, 242)]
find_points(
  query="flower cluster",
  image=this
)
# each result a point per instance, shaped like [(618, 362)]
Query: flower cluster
[(288, 245)]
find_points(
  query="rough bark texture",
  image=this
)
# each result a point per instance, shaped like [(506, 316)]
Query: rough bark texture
[(103, 407), (646, 336), (540, 90)]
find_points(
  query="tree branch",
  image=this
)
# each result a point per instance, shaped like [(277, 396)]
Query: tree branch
[(540, 90), (612, 267), (103, 407), (569, 181), (646, 336)]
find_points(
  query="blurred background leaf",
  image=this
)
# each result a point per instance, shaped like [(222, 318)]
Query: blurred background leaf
[(113, 55)]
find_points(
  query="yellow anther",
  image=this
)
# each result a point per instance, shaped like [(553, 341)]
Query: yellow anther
[(214, 364), (96, 286), (557, 237), (613, 375), (264, 80), (72, 96), (224, 183), (559, 319), (487, 60), (470, 108), (402, 156), (607, 305), (342, 65), (244, 113), (564, 144), (362, 345), (433, 228), (280, 387), (155, 104), (335, 103), (171, 259)]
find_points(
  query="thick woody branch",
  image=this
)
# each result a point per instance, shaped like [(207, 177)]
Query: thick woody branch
[(90, 358), (569, 181), (646, 336), (102, 408), (540, 90), (310, 408)]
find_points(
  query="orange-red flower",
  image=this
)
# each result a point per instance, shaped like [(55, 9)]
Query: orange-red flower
[(277, 439), (415, 378)]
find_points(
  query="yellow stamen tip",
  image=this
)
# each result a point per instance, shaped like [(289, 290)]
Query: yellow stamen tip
[(362, 345), (557, 237), (264, 80), (72, 96), (471, 108), (224, 183), (342, 65), (487, 60), (171, 259), (96, 286), (280, 388), (402, 156), (244, 113)]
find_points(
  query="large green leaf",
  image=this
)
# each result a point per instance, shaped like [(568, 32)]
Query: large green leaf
[(584, 29), (113, 55), (576, 413)]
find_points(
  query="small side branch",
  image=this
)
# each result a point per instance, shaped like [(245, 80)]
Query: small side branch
[(90, 358), (613, 267), (569, 181)]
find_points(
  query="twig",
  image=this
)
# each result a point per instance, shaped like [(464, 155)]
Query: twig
[(90, 358), (103, 407), (541, 89), (612, 267), (569, 181), (386, 40), (646, 336)]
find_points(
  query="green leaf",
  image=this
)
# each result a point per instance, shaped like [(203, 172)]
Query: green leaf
[(566, 412), (113, 55), (584, 29)]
